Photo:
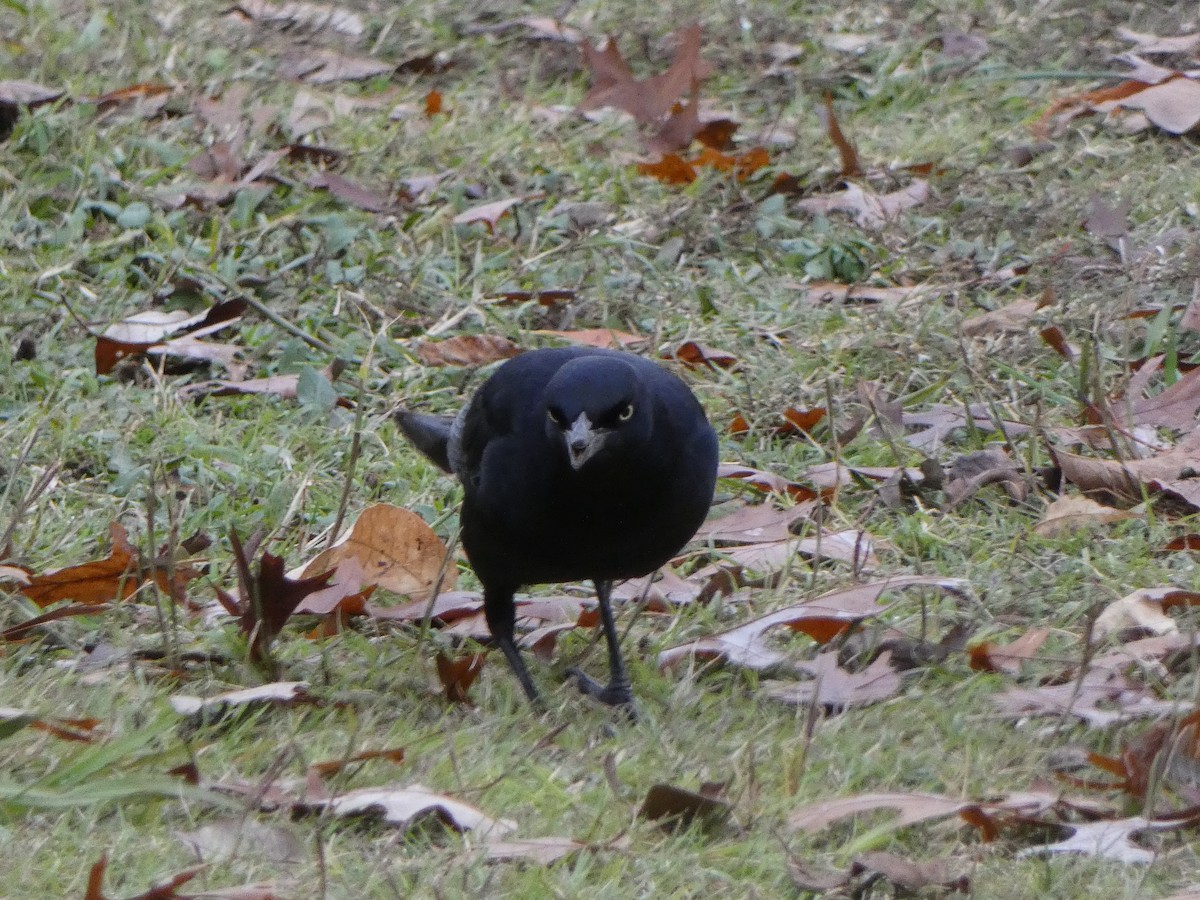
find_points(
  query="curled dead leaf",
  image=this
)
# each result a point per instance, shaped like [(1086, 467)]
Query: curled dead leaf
[(396, 549)]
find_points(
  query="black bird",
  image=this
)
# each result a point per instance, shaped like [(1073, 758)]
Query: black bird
[(576, 464)]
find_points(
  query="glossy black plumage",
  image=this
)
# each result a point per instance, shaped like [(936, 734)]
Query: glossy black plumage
[(576, 464)]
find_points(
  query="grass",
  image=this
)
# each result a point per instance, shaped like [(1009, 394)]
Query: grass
[(84, 238)]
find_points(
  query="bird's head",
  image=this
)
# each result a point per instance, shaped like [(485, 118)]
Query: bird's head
[(594, 406)]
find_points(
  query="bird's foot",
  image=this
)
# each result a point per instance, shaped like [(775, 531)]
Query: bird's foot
[(613, 694)]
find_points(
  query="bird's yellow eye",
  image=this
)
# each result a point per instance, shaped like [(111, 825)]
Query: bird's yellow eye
[(626, 414)]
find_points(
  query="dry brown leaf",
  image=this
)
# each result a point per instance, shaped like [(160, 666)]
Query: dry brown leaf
[(1183, 542), (407, 806), (766, 481), (849, 156), (350, 192), (650, 99), (598, 337), (827, 477), (93, 583), (323, 66), (163, 890), (754, 524), (835, 292), (541, 851), (1101, 699), (677, 807), (1172, 472), (550, 29), (670, 169), (822, 619), (20, 631), (696, 355), (1011, 319), (147, 98), (991, 657), (1108, 220), (766, 559), (1174, 407), (266, 597), (332, 766), (1111, 840), (1172, 105), (420, 188), (395, 548), (835, 688), (912, 875), (870, 210), (1143, 70), (218, 840), (283, 386), (910, 809), (488, 213), (314, 16), (153, 327), (549, 297), (1153, 43), (678, 130), (83, 731), (968, 473), (1072, 512), (938, 422), (717, 133), (466, 350), (285, 692), (27, 94), (457, 675), (1143, 611)]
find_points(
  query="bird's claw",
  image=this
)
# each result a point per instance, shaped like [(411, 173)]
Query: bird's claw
[(613, 694)]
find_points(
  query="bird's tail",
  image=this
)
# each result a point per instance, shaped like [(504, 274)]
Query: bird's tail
[(429, 434)]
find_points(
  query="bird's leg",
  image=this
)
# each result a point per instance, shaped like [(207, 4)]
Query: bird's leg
[(618, 691), (501, 615)]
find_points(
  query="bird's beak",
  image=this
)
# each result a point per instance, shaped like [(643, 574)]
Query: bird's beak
[(583, 441)]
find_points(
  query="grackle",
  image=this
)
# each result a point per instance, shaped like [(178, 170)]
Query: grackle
[(576, 464)]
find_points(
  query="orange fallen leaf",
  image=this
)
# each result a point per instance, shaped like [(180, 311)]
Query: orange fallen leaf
[(92, 583), (157, 95), (457, 675), (333, 766), (717, 133), (850, 163), (695, 355), (671, 169)]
